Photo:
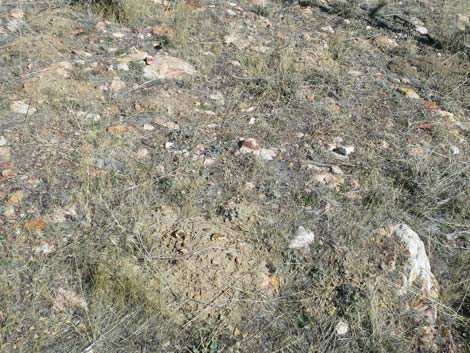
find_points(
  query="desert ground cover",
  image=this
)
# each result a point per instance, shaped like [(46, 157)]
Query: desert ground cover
[(234, 176)]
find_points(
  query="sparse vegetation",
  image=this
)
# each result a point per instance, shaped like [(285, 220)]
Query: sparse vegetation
[(155, 215)]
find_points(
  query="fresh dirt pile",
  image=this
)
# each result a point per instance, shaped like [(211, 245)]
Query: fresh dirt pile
[(205, 270)]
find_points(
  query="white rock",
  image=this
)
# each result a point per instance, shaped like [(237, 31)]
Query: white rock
[(169, 144), (355, 73), (236, 63), (21, 107), (252, 121), (261, 49), (209, 161), (421, 30), (267, 154), (328, 29), (462, 22), (342, 328), (45, 249), (419, 25), (119, 35), (454, 149), (463, 125), (302, 239), (419, 268), (3, 141), (122, 67), (344, 150), (148, 127), (142, 153)]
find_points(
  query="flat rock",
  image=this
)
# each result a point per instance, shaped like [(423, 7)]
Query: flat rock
[(21, 107), (168, 67)]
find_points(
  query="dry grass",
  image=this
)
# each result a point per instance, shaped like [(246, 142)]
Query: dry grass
[(104, 250), (125, 11)]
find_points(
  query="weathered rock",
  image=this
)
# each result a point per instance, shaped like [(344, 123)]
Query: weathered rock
[(454, 150), (16, 198), (118, 35), (44, 248), (142, 153), (249, 145), (418, 268), (8, 173), (21, 107), (122, 66), (419, 26), (5, 154), (134, 56), (336, 170), (3, 141), (326, 178), (342, 328), (386, 42), (410, 93), (168, 67), (302, 239), (463, 22), (117, 85), (148, 127), (267, 154), (91, 117), (9, 213), (166, 123), (344, 150)]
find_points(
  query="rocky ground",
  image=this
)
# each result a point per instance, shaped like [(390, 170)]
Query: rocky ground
[(234, 176)]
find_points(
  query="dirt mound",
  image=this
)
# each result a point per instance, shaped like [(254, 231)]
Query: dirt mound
[(53, 83), (207, 270), (39, 48)]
